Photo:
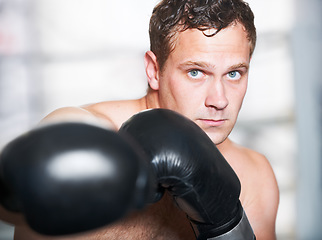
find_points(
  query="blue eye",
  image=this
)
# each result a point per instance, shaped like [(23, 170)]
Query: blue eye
[(194, 73), (234, 75)]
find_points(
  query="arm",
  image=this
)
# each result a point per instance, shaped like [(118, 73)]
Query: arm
[(188, 165), (11, 217), (72, 177), (62, 114), (66, 114)]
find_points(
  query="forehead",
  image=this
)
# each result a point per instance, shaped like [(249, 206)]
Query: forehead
[(231, 41)]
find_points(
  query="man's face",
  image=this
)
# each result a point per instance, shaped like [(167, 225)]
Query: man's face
[(205, 78)]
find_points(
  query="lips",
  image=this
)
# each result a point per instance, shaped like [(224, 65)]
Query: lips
[(212, 122)]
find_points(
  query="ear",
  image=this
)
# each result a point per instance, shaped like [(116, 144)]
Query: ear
[(152, 69)]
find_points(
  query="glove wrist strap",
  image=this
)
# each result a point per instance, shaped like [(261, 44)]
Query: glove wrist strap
[(242, 231)]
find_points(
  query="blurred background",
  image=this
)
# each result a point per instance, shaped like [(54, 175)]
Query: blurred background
[(56, 53)]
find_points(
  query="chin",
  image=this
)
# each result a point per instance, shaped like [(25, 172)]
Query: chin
[(217, 138)]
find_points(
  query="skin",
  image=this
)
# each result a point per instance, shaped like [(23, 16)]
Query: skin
[(205, 79)]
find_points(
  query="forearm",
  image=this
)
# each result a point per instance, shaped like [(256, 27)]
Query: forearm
[(11, 217)]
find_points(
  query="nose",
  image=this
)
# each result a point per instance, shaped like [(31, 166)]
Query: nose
[(216, 95)]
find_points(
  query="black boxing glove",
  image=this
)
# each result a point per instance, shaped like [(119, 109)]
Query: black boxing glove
[(189, 165), (72, 177)]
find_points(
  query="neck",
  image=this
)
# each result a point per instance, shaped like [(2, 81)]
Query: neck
[(224, 146), (152, 99)]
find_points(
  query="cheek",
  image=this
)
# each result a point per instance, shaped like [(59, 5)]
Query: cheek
[(172, 87), (169, 92), (236, 94), (239, 97), (179, 96)]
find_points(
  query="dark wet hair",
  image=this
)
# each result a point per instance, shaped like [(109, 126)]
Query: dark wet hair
[(171, 16)]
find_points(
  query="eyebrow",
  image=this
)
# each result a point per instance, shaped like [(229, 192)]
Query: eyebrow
[(207, 65), (198, 64), (239, 65)]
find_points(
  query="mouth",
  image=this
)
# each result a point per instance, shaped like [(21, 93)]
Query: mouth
[(206, 122)]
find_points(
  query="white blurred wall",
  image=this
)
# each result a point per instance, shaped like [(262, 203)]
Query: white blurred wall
[(56, 53), (307, 50)]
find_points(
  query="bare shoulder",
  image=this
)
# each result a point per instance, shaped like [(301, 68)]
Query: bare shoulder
[(251, 167), (260, 193), (111, 113), (117, 112), (255, 169)]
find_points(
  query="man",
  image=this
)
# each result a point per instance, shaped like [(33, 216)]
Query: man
[(198, 66)]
